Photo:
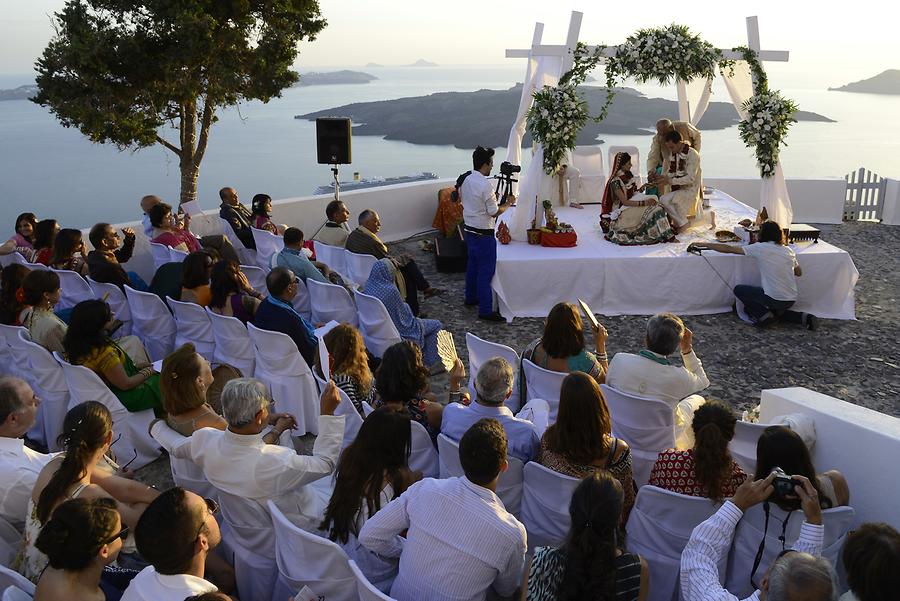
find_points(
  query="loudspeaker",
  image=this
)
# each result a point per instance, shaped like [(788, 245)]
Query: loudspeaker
[(450, 253), (333, 140)]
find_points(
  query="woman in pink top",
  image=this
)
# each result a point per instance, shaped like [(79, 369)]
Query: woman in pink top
[(262, 215), (22, 240), (163, 221)]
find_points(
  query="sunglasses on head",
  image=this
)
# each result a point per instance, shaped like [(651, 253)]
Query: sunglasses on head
[(123, 534)]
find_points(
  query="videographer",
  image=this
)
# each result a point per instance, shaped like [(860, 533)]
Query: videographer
[(800, 573), (480, 211)]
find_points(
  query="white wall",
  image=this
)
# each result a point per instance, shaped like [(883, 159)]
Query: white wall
[(863, 444), (813, 200), (891, 200)]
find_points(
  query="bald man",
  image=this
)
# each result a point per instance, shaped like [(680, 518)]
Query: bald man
[(658, 151), (237, 215)]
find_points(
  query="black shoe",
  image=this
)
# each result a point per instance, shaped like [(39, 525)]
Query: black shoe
[(495, 316), (812, 322)]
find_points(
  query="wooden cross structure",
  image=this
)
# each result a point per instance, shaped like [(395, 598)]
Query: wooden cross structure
[(566, 51)]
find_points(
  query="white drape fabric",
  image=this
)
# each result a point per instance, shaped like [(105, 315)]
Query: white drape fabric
[(773, 195), (693, 99)]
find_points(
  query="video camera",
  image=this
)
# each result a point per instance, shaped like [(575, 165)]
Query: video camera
[(505, 180), (507, 169)]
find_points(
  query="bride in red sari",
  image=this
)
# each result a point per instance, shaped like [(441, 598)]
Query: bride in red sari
[(635, 218)]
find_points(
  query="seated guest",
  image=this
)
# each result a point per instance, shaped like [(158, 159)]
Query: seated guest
[(364, 240), (19, 465), (561, 348), (276, 313), (44, 235), (168, 233), (237, 215), (69, 251), (147, 203), (77, 473), (105, 261), (87, 343), (402, 383), (651, 374), (591, 564), (473, 536), (293, 257), (261, 209), (802, 575), (195, 273), (779, 270), (183, 382), (421, 331), (82, 537), (779, 446), (175, 534), (40, 291), (350, 365), (11, 302), (372, 472), (335, 230), (707, 470), (216, 243), (581, 443), (871, 558), (22, 241), (231, 293), (493, 385), (239, 462)]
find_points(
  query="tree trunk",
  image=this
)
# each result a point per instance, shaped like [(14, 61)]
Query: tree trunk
[(189, 174)]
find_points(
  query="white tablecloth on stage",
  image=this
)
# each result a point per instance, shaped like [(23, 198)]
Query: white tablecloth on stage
[(643, 280)]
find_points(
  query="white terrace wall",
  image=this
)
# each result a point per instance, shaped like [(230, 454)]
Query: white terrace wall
[(813, 200), (891, 200)]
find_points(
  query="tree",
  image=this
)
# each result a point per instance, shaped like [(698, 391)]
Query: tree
[(126, 71)]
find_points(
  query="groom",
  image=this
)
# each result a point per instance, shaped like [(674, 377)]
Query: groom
[(681, 171)]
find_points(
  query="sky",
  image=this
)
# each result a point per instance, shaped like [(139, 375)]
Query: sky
[(829, 45)]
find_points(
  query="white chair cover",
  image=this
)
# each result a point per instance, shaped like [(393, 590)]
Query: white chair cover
[(251, 536), (359, 267), (743, 445), (177, 256), (659, 528), (160, 254), (10, 578), (589, 161), (152, 322), (10, 542), (36, 266), (305, 559), (192, 324), (280, 365), (267, 245), (545, 505), (185, 472), (543, 384), (353, 420), (749, 533), (74, 289), (647, 425), (367, 590), (375, 324), (331, 302), (246, 255), (232, 343), (13, 363), (136, 442), (636, 166), (256, 277), (509, 487), (423, 455), (480, 351), (14, 593), (301, 301), (117, 302), (14, 257), (46, 378), (333, 256)]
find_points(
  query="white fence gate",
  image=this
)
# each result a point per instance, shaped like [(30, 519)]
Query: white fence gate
[(865, 196)]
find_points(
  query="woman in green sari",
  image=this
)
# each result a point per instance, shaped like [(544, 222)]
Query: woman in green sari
[(635, 218), (87, 342)]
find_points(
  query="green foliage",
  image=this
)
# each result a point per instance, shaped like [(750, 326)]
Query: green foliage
[(554, 120)]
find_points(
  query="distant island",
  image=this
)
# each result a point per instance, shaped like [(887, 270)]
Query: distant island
[(20, 93), (373, 65), (314, 78), (422, 63), (467, 119), (887, 82)]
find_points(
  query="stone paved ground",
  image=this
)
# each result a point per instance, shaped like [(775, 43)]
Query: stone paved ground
[(857, 361)]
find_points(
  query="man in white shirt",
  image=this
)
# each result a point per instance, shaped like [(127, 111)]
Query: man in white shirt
[(493, 385), (480, 211), (651, 374), (19, 465), (239, 462), (797, 575), (175, 534), (778, 269), (460, 540)]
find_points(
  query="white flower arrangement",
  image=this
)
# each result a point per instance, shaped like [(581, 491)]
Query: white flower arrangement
[(554, 120)]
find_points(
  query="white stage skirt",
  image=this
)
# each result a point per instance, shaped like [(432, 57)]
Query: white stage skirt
[(643, 280)]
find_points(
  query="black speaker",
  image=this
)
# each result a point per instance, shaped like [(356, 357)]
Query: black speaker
[(333, 140), (450, 254)]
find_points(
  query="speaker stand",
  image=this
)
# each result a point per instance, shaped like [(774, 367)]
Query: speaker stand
[(337, 182)]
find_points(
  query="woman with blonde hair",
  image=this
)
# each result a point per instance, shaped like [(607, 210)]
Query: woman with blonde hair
[(350, 369), (184, 381)]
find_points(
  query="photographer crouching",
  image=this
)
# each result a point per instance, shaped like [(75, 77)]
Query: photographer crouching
[(481, 207)]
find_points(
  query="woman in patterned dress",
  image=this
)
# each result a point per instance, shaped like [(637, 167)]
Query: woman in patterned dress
[(350, 370), (635, 218), (402, 384)]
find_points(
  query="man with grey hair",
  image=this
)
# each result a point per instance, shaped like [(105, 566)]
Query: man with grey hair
[(238, 461), (19, 465), (651, 374), (493, 386), (797, 575)]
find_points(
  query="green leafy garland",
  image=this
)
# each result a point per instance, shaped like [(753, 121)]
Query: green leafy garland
[(554, 120)]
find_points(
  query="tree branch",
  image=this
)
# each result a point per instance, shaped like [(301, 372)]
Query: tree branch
[(168, 145), (205, 124)]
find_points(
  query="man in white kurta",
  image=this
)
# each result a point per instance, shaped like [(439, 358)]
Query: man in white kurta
[(681, 172)]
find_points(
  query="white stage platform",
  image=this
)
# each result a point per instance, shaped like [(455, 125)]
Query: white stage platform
[(643, 280)]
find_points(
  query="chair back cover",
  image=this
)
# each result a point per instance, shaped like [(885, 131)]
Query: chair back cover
[(659, 527), (333, 256), (46, 378), (246, 255), (117, 302), (509, 486), (367, 590), (233, 345), (267, 245), (10, 542), (74, 288), (743, 445), (375, 324), (160, 254), (546, 495), (152, 323), (14, 593), (251, 536), (256, 277), (423, 455), (14, 363), (331, 302), (301, 301), (479, 351), (543, 384), (10, 578), (647, 425), (177, 256), (359, 267), (185, 472), (192, 324), (14, 257)]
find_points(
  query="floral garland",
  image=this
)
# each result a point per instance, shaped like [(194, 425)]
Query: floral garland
[(554, 120)]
